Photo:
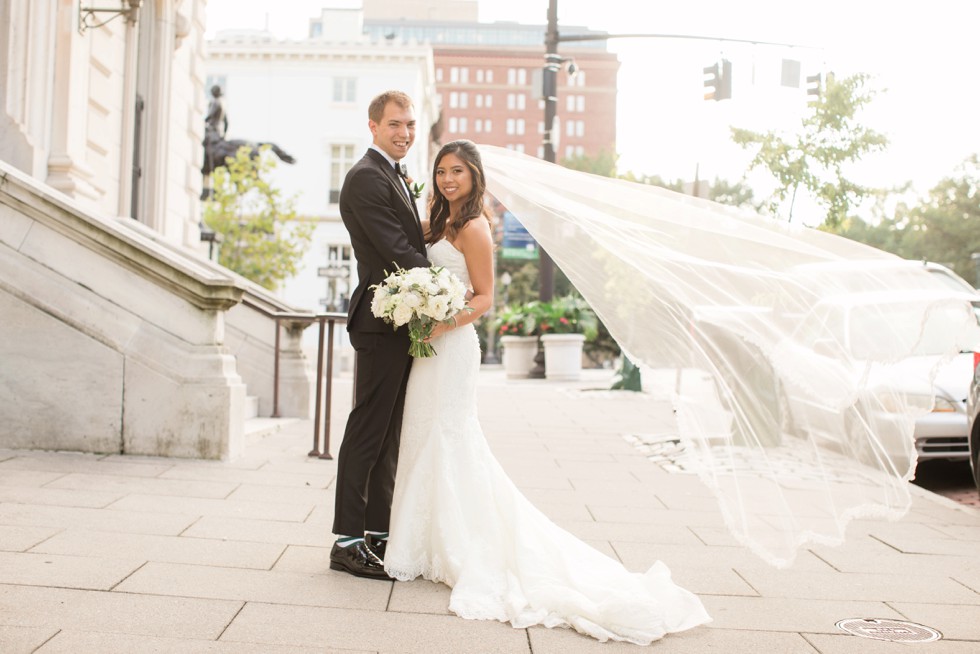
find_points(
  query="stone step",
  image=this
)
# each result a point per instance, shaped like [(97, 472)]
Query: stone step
[(251, 407)]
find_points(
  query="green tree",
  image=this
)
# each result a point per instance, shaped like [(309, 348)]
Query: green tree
[(814, 158), (261, 236), (944, 227)]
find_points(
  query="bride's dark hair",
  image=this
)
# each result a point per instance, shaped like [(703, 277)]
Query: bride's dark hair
[(473, 205)]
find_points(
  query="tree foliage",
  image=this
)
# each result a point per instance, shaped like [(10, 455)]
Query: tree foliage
[(944, 227), (251, 216), (814, 159)]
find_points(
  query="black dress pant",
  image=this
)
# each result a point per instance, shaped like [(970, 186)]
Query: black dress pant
[(369, 452)]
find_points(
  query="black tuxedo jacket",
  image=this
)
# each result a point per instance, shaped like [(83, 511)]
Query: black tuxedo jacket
[(384, 231)]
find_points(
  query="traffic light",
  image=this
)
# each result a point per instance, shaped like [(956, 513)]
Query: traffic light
[(813, 90), (718, 81)]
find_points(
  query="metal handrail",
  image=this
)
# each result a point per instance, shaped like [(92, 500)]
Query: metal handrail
[(321, 318)]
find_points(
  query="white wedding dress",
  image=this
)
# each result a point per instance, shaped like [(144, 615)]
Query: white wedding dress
[(458, 519)]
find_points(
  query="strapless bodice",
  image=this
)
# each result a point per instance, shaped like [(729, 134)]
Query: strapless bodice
[(442, 253)]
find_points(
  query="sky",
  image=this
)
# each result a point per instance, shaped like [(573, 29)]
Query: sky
[(921, 56)]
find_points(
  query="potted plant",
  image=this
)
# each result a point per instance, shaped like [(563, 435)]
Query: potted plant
[(518, 342), (565, 324)]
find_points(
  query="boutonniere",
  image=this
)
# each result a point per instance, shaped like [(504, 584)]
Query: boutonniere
[(416, 189)]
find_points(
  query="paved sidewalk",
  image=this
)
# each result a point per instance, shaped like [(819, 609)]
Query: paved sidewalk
[(126, 554)]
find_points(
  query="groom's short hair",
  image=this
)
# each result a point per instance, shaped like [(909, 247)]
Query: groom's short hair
[(377, 107)]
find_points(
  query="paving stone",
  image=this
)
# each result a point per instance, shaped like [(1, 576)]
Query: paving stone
[(24, 640), (655, 516), (74, 642), (229, 508), (786, 614), (958, 622), (899, 586), (20, 539), (261, 531), (78, 463), (13, 477), (171, 487), (57, 497), (848, 644), (420, 596), (85, 572), (327, 588), (301, 558), (640, 556), (178, 617), (700, 640), (318, 480), (171, 549), (281, 495), (372, 630), (27, 515)]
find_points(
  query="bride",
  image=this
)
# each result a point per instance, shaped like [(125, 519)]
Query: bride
[(456, 516)]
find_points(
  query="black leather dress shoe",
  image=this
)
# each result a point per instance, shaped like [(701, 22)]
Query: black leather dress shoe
[(358, 560), (376, 545)]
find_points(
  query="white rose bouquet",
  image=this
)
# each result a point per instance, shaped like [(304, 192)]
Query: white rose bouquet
[(419, 298)]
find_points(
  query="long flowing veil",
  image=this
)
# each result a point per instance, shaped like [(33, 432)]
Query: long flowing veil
[(802, 358)]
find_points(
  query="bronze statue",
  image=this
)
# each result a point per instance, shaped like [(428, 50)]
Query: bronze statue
[(217, 150)]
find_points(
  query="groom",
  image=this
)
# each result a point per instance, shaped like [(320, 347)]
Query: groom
[(380, 214)]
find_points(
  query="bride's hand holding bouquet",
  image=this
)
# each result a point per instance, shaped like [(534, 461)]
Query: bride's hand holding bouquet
[(420, 298)]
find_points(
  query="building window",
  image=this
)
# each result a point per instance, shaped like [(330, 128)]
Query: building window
[(540, 152), (520, 125), (453, 100), (569, 151), (464, 75), (454, 75), (478, 124), (464, 100), (462, 125), (519, 147), (489, 76), (479, 100), (580, 103), (580, 128), (479, 76), (487, 125), (579, 79), (570, 128), (510, 125), (438, 74), (453, 125), (570, 103), (511, 103), (522, 76), (540, 127), (489, 101), (512, 76), (521, 101), (341, 160), (345, 89)]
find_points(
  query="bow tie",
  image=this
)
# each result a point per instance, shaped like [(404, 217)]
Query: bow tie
[(401, 169)]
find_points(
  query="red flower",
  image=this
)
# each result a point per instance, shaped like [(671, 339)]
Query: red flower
[(563, 320)]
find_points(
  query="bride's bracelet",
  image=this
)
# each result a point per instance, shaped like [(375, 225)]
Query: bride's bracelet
[(455, 324)]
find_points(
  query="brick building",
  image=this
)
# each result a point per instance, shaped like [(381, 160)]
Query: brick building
[(488, 77)]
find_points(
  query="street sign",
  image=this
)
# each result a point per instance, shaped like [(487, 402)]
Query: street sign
[(517, 243)]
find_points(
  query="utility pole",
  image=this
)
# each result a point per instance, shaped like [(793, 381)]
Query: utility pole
[(552, 64)]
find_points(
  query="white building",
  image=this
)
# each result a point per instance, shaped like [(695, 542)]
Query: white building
[(310, 97), (116, 334)]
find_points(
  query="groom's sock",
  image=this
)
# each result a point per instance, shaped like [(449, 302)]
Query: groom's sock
[(378, 535), (347, 541)]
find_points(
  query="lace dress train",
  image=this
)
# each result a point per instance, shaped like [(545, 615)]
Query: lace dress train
[(458, 519)]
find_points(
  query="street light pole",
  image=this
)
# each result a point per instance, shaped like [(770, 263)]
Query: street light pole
[(552, 64)]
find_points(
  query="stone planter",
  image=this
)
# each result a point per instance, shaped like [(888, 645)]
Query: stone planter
[(563, 356), (518, 357)]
